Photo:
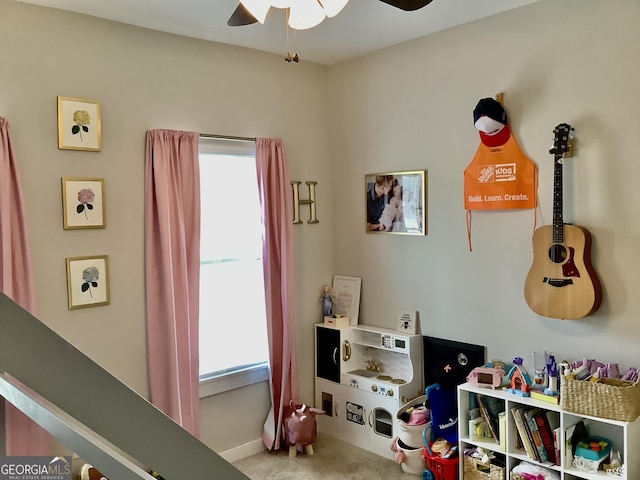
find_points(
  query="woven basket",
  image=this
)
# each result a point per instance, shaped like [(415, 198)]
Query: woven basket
[(608, 398), (476, 470)]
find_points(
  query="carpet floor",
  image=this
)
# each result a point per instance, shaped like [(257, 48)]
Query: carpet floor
[(332, 460)]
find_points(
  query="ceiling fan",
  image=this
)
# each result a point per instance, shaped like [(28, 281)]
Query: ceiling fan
[(242, 16)]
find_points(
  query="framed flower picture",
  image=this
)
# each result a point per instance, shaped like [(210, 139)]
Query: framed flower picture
[(83, 203), (87, 281), (79, 124)]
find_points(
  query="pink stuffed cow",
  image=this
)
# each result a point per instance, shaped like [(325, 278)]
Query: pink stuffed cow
[(300, 427)]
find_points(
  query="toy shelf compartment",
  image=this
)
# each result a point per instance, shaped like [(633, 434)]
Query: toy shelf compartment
[(624, 436), (475, 469)]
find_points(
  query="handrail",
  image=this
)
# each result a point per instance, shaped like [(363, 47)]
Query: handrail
[(53, 368), (70, 432)]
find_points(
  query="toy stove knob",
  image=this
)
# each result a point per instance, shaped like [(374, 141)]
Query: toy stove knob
[(390, 392), (374, 388)]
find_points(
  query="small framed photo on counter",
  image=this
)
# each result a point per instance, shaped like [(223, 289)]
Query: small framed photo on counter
[(347, 297), (407, 321)]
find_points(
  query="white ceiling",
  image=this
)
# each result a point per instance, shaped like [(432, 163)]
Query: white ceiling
[(362, 27)]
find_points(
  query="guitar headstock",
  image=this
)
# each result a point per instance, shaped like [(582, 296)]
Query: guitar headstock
[(562, 139)]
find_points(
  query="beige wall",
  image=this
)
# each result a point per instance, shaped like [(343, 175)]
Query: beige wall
[(146, 80), (407, 107), (410, 107)]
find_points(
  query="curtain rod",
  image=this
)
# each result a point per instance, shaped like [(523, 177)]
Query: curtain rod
[(227, 137)]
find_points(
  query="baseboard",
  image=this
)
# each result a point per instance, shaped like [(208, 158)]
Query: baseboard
[(243, 451)]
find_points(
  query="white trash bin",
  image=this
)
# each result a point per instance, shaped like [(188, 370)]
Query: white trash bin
[(414, 460)]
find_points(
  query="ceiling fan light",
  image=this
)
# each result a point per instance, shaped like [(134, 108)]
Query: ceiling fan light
[(280, 3), (333, 7), (304, 14), (257, 8)]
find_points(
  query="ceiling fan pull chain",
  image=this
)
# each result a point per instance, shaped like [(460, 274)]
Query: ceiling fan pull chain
[(288, 58)]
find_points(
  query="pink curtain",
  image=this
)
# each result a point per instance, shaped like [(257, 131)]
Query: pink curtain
[(277, 208), (23, 436), (172, 268)]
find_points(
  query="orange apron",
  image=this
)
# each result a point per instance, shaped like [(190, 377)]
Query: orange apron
[(499, 178)]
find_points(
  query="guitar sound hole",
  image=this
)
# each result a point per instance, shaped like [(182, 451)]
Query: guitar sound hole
[(557, 253)]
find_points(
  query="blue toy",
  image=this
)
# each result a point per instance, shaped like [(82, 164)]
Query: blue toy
[(519, 379), (444, 413)]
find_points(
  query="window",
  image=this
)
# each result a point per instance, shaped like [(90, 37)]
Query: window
[(233, 336)]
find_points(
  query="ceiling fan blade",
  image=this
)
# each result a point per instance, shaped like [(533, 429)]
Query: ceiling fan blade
[(241, 16), (408, 5)]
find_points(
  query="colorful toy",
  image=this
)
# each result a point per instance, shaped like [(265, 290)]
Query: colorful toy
[(486, 376), (519, 379), (300, 428), (551, 369), (327, 297), (593, 448), (418, 416)]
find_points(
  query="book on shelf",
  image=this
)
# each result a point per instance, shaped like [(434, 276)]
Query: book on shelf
[(490, 409), (554, 424), (568, 451), (546, 434), (541, 455), (502, 430), (557, 440), (518, 418), (553, 418), (538, 395)]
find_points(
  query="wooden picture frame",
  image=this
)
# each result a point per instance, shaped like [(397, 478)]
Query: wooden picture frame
[(83, 203), (79, 124), (87, 281), (407, 321), (396, 202), (346, 291)]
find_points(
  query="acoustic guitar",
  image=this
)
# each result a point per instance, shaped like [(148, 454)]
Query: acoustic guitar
[(562, 282)]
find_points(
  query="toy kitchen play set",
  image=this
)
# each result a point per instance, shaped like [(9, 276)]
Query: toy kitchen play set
[(364, 375)]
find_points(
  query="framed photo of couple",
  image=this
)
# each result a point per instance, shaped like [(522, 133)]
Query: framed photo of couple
[(396, 202)]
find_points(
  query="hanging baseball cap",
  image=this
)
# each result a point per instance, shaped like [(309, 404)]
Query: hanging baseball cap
[(491, 121)]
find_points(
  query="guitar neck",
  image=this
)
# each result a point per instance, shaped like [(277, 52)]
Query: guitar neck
[(558, 221)]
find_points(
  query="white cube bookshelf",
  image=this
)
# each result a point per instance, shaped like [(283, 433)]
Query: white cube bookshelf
[(625, 436)]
